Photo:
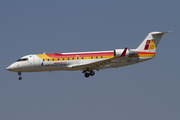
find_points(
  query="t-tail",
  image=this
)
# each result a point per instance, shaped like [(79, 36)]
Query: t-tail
[(147, 49), (151, 42)]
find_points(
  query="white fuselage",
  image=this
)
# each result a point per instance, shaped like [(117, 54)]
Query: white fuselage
[(33, 63), (88, 61)]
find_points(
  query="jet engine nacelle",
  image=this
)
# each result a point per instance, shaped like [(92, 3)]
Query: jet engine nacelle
[(118, 52)]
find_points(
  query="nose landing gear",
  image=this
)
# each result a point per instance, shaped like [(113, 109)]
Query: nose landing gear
[(19, 73)]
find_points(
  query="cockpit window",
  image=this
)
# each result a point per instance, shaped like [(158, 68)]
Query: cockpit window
[(18, 60), (23, 59)]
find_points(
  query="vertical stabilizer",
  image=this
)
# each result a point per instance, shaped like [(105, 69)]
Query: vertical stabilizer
[(151, 42)]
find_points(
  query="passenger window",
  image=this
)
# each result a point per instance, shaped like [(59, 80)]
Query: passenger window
[(91, 57), (53, 59), (72, 58), (101, 56), (96, 57), (58, 59), (43, 59), (63, 58), (82, 58), (48, 59), (68, 58)]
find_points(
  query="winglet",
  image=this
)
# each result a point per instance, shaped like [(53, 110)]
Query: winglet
[(124, 53)]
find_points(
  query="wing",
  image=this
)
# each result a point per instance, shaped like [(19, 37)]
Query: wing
[(98, 65)]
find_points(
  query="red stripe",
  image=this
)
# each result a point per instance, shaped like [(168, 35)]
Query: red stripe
[(59, 55), (146, 53)]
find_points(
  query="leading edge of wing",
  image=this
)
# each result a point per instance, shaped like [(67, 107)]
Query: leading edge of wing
[(99, 64)]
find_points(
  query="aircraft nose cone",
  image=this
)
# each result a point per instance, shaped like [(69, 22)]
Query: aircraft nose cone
[(9, 68), (13, 67)]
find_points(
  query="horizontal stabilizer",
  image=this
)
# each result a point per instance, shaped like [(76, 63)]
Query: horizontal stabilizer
[(162, 32)]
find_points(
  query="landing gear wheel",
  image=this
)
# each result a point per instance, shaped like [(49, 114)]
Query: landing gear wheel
[(19, 73), (20, 78), (92, 73), (86, 75)]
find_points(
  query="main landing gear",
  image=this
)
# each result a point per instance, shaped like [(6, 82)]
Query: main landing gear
[(19, 73), (91, 73)]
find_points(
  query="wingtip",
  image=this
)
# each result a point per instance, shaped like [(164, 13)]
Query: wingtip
[(168, 32), (124, 53)]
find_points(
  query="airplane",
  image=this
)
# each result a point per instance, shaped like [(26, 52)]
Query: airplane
[(87, 62)]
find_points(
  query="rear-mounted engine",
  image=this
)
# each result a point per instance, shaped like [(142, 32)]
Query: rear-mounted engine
[(118, 52)]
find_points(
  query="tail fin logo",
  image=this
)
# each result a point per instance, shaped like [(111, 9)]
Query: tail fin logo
[(149, 45)]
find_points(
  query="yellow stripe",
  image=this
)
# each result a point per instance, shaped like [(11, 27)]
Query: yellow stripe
[(47, 58), (43, 56), (108, 56), (146, 55)]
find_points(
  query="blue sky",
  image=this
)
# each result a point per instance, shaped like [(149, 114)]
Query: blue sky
[(148, 90)]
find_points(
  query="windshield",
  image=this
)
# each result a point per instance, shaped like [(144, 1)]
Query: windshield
[(23, 59)]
